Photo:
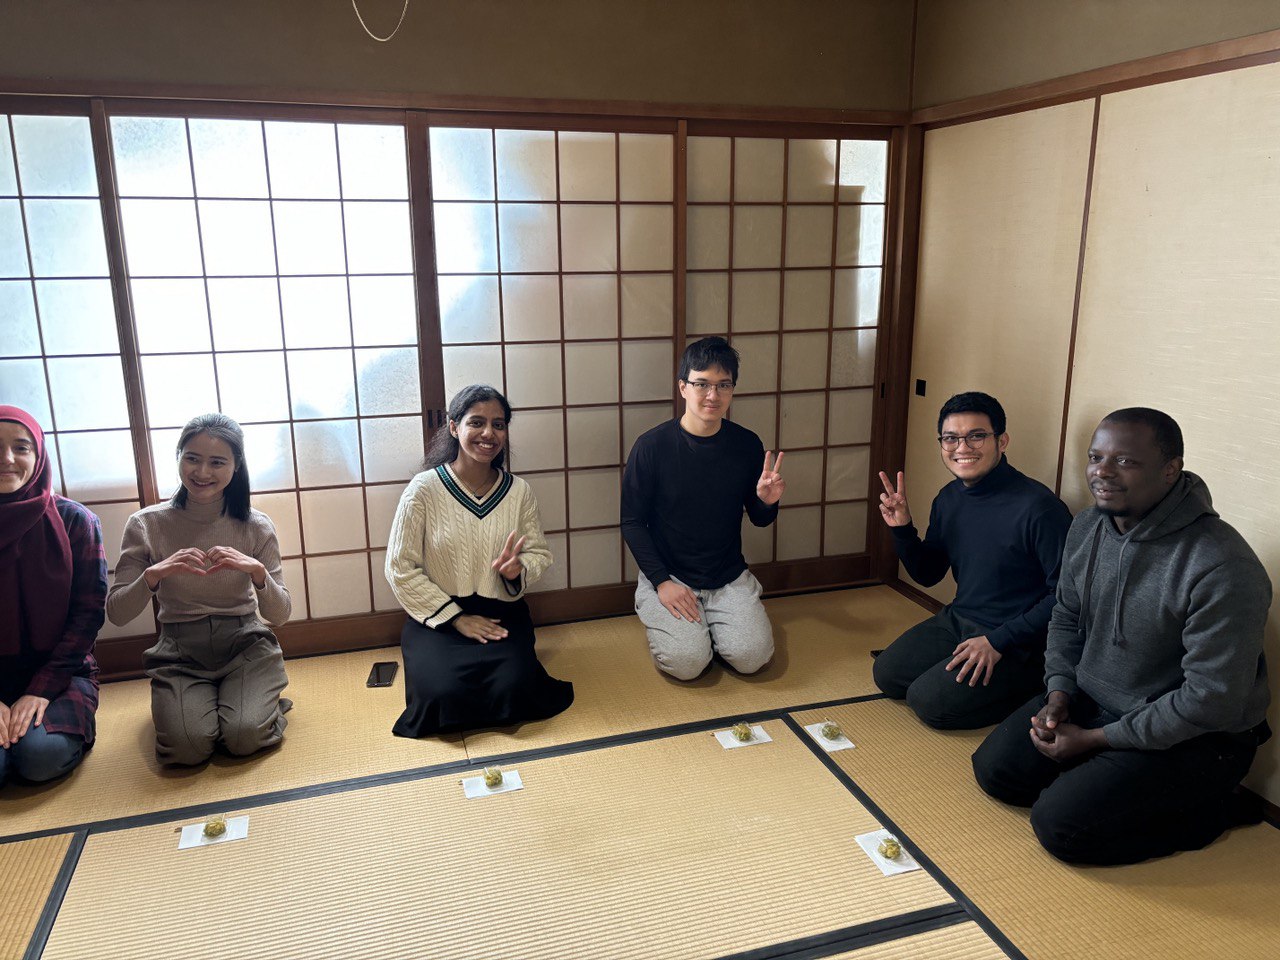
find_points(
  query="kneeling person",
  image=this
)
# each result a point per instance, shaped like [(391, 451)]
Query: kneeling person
[(1156, 683), (1001, 534), (465, 544), (213, 563), (686, 485)]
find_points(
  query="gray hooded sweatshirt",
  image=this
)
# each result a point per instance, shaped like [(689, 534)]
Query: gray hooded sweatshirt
[(1162, 626)]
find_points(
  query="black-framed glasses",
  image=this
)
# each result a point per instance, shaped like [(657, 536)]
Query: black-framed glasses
[(974, 439), (703, 387)]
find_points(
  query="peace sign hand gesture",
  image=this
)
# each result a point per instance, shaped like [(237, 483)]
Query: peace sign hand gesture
[(508, 563), (770, 487), (893, 502)]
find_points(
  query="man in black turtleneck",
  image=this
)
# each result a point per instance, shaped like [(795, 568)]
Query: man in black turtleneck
[(1001, 534)]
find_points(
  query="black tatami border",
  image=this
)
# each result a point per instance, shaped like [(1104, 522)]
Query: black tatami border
[(422, 773), (983, 921), (809, 948), (53, 902), (862, 935)]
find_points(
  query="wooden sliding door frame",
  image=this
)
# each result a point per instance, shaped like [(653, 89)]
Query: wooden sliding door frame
[(120, 657)]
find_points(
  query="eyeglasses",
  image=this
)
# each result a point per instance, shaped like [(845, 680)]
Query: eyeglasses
[(974, 440), (703, 387)]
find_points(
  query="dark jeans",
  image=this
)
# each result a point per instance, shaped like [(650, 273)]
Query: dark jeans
[(914, 668), (41, 756), (1115, 806)]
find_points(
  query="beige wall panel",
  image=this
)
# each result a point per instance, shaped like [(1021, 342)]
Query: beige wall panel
[(1178, 308), (969, 47), (1000, 242), (809, 53)]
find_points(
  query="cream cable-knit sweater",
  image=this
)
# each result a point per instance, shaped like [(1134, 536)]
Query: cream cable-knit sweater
[(444, 540), (160, 531)]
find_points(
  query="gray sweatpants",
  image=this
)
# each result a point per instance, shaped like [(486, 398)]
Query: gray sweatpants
[(734, 625), (215, 679)]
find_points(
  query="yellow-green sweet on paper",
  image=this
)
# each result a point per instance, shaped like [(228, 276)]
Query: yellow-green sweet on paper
[(492, 777), (215, 826), (743, 732), (831, 731), (890, 848)]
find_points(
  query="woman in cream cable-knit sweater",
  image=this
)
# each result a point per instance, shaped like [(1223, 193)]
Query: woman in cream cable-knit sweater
[(213, 563), (464, 545)]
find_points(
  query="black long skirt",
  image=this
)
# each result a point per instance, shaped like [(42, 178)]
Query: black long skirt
[(453, 683)]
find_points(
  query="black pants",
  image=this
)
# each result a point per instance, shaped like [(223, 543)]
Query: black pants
[(1115, 806), (914, 668)]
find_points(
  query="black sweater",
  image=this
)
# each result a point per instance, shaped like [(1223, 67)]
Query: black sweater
[(1003, 540), (682, 503)]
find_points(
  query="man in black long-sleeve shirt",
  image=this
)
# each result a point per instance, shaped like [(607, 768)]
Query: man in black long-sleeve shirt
[(1002, 534), (686, 485)]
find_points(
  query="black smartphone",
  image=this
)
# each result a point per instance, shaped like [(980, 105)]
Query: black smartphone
[(382, 674)]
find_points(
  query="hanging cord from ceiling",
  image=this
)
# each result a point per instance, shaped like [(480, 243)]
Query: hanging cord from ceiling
[(370, 32)]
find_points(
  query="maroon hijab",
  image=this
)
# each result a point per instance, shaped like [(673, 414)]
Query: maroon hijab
[(35, 556)]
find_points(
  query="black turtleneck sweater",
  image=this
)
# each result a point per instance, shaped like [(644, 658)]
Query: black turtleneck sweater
[(682, 503), (1002, 538)]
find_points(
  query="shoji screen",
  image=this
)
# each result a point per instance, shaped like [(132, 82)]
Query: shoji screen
[(270, 272), (785, 257), (60, 351), (554, 251)]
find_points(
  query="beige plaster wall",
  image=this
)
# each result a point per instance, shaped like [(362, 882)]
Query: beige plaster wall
[(965, 48), (1001, 215), (803, 53)]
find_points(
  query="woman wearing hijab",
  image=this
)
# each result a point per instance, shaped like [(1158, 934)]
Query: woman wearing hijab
[(53, 585)]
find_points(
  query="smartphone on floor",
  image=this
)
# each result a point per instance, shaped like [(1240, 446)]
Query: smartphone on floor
[(382, 674)]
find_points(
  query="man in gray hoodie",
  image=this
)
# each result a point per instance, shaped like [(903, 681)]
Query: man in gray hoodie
[(1156, 685)]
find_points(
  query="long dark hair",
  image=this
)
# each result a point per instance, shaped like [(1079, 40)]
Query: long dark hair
[(444, 445), (221, 427)]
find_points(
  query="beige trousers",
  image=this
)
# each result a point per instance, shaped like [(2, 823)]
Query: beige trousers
[(215, 680)]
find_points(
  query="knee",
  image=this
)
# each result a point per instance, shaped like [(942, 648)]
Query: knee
[(926, 705), (686, 666), (886, 678), (1058, 831), (39, 759), (681, 651), (183, 749), (246, 735), (428, 685), (937, 708), (514, 677), (996, 778), (750, 659), (240, 740), (184, 741)]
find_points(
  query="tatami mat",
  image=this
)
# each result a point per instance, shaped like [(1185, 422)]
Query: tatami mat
[(823, 643), (337, 729), (673, 848), (27, 871), (1216, 902), (964, 941)]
